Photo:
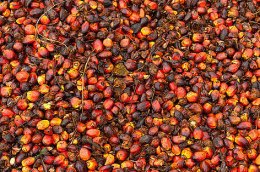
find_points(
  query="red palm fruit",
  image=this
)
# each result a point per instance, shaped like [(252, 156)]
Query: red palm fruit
[(229, 160), (200, 57), (105, 168), (105, 54), (143, 106), (256, 102), (124, 97), (160, 74), (253, 134), (7, 112), (33, 96), (178, 139), (146, 31), (135, 17), (22, 104), (108, 92), (64, 135), (6, 91), (186, 42), (234, 120), (75, 102), (207, 107), (47, 140), (28, 161), (43, 124), (92, 80), (209, 151), (189, 163), (91, 124), (140, 89), (108, 104), (84, 154), (180, 92), (29, 29), (186, 153), (9, 54), (173, 86), (231, 90), (166, 67), (221, 56), (135, 149), (71, 169), (73, 73), (101, 85), (56, 138), (212, 122), (43, 52), (176, 150), (215, 95), (239, 155), (199, 156), (253, 168), (152, 5), (58, 160), (156, 106), (48, 159), (37, 138), (192, 96), (98, 46), (185, 131), (197, 133), (81, 127), (121, 155), (244, 100), (233, 68), (168, 105), (108, 42), (241, 141), (114, 140), (45, 20), (223, 88), (88, 104), (3, 6), (62, 146), (50, 47), (18, 121), (85, 27), (29, 39), (215, 160), (153, 130), (92, 164), (205, 166), (25, 139), (197, 37), (28, 147), (248, 53), (229, 144), (257, 160), (93, 133), (244, 125), (125, 42), (127, 164), (22, 76), (166, 143)]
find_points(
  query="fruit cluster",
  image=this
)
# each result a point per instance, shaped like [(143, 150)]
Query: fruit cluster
[(129, 85)]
